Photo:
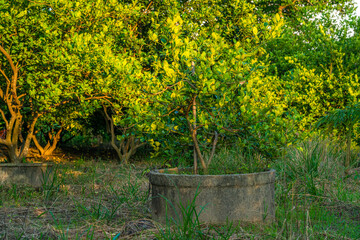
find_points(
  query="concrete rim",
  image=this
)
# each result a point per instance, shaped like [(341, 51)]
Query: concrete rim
[(157, 172), (26, 164), (204, 181)]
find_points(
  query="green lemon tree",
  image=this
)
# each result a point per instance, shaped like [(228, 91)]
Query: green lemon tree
[(50, 128), (205, 68), (58, 54)]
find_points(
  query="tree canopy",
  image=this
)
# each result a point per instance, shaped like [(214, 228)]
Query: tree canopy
[(174, 73)]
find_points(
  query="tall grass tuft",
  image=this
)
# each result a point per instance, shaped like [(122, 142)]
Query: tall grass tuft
[(312, 166), (50, 184), (311, 190), (186, 224)]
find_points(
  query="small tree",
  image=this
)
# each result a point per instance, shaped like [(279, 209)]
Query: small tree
[(52, 136), (123, 140), (52, 126), (205, 64)]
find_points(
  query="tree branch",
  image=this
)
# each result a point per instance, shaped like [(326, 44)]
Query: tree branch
[(16, 130), (112, 132), (25, 146), (191, 85), (136, 146), (37, 145), (166, 88), (8, 58), (14, 77), (4, 118), (213, 148), (196, 144), (1, 93), (146, 10), (4, 142), (50, 147)]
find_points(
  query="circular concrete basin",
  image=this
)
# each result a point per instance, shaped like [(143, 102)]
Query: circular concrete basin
[(219, 198)]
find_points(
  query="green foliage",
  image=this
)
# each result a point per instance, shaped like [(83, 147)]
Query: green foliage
[(313, 195), (233, 160), (71, 59), (294, 10), (175, 74), (213, 66), (53, 51), (341, 119), (314, 65)]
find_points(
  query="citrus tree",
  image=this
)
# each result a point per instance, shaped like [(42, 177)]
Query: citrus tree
[(205, 69), (58, 54), (69, 119)]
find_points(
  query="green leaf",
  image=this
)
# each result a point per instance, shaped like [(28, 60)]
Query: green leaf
[(255, 31), (21, 14), (277, 17)]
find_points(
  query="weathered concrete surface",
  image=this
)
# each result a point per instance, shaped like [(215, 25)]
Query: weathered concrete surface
[(234, 197), (30, 174)]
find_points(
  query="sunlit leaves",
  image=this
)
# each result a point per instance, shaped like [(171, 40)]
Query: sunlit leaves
[(204, 56)]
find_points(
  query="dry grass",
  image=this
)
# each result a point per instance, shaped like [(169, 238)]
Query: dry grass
[(94, 200)]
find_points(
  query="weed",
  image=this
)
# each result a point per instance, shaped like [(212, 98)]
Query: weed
[(50, 184), (130, 193), (312, 165), (226, 231), (64, 233), (186, 224), (310, 177)]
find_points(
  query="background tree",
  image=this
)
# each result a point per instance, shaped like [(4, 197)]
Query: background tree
[(344, 121), (198, 70), (54, 54), (315, 63), (51, 127), (294, 10)]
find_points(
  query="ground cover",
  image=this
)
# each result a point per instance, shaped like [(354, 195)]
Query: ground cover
[(98, 199)]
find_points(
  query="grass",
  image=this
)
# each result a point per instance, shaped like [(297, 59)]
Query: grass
[(91, 200), (233, 160), (101, 200), (315, 198)]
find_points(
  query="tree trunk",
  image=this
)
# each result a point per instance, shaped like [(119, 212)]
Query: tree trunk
[(14, 152), (194, 126), (126, 147), (50, 145), (204, 163)]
